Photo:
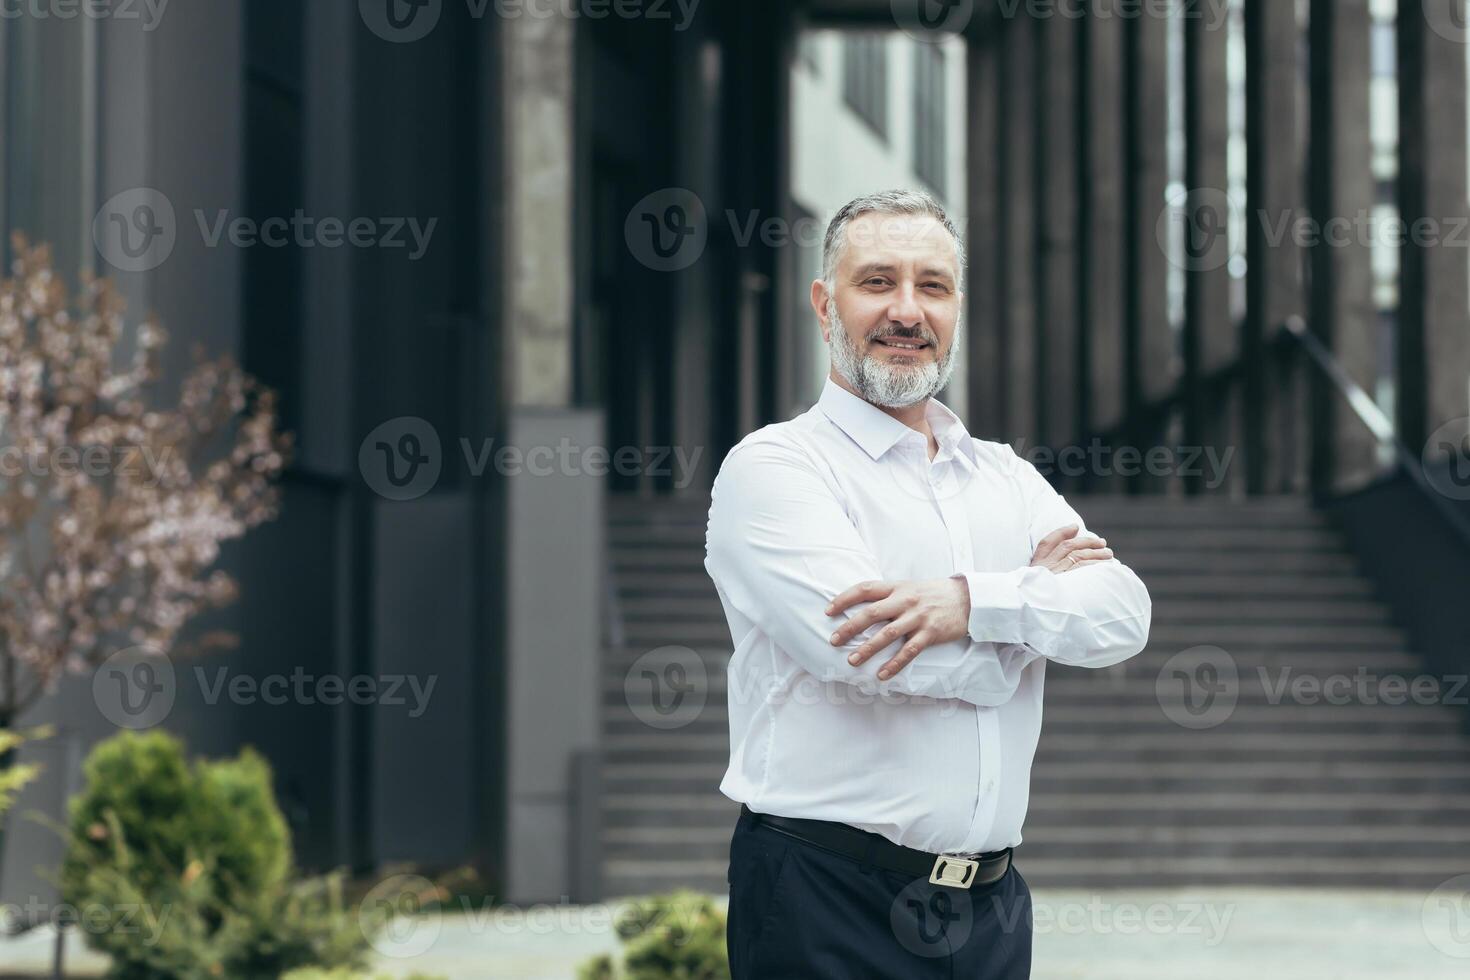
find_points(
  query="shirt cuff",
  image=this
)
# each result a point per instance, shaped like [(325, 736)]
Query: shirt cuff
[(995, 605)]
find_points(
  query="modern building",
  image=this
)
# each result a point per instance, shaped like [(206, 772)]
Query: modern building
[(592, 284)]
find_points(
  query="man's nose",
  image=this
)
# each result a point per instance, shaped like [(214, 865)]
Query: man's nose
[(905, 308)]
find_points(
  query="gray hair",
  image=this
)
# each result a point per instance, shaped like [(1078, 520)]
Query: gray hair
[(884, 202)]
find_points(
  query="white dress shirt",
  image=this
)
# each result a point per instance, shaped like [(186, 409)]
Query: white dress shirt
[(938, 757)]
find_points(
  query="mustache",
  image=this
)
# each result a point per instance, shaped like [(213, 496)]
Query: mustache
[(904, 333)]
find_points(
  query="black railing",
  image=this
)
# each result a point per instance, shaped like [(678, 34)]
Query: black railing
[(1296, 331)]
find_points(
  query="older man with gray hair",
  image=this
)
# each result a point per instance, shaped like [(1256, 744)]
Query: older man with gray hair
[(894, 589)]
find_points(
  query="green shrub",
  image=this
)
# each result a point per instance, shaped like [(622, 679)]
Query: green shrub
[(13, 775), (185, 872), (311, 973), (677, 936)]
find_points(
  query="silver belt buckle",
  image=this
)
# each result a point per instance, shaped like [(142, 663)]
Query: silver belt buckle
[(953, 871)]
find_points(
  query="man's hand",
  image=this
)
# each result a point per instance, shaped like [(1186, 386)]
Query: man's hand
[(1062, 550), (928, 612), (938, 610)]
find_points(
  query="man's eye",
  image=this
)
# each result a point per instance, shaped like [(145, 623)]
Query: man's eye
[(876, 281)]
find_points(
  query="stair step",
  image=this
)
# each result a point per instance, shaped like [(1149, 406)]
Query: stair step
[(707, 608), (1283, 792), (1200, 584)]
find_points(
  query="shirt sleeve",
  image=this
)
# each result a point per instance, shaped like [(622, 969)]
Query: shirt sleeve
[(779, 547), (1094, 616)]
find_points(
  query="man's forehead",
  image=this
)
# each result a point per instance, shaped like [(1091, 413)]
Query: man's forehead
[(874, 235)]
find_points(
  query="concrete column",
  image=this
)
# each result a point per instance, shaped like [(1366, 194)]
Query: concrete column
[(1209, 333), (1273, 190), (1434, 325), (1056, 166), (1150, 365), (539, 115), (1100, 314), (554, 561), (984, 161), (1341, 190), (1017, 220)]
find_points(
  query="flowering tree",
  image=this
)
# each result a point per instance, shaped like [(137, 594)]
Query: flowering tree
[(112, 505)]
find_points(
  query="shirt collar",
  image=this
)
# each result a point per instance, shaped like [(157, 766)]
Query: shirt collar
[(877, 432)]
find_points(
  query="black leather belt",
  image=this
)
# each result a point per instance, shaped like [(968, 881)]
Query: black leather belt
[(954, 870)]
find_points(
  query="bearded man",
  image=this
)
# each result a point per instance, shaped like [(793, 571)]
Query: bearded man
[(895, 589)]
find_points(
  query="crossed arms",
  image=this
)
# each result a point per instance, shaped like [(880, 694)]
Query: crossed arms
[(784, 553)]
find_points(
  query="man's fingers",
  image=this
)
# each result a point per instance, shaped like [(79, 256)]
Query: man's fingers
[(896, 630), (1045, 545), (905, 655), (880, 611), (862, 592), (1085, 557), (1080, 544)]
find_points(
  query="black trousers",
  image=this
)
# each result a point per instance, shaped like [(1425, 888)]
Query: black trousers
[(801, 912)]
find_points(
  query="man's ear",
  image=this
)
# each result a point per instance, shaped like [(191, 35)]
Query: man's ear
[(819, 306)]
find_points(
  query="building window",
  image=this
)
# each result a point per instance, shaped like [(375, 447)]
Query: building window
[(865, 79), (929, 117)]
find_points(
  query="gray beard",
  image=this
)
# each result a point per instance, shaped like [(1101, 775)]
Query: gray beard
[(883, 383)]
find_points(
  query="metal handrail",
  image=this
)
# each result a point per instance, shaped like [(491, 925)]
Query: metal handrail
[(1373, 418)]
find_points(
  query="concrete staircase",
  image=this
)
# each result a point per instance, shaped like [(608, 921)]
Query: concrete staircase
[(1125, 791)]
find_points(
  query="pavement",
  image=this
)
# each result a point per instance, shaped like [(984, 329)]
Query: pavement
[(1162, 934)]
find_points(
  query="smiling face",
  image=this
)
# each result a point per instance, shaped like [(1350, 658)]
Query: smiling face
[(891, 314)]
